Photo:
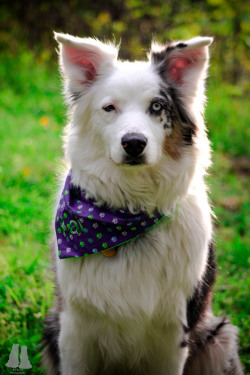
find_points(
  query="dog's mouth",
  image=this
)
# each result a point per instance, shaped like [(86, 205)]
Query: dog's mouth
[(129, 160)]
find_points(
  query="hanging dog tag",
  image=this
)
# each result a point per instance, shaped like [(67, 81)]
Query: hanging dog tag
[(109, 252)]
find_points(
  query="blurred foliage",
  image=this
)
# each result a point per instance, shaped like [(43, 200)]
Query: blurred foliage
[(134, 22)]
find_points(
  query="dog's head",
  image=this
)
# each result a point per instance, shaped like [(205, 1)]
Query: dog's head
[(137, 112)]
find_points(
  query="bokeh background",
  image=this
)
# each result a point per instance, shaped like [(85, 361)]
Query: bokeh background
[(32, 116)]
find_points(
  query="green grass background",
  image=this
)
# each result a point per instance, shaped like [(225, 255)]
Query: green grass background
[(32, 118)]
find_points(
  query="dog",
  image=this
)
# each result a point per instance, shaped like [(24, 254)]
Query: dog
[(137, 152)]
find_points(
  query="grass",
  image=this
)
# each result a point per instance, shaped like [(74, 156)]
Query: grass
[(32, 118)]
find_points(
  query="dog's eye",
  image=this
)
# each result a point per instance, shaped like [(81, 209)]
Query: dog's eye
[(156, 107), (109, 108)]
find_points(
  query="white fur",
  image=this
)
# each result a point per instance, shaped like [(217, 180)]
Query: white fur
[(130, 308)]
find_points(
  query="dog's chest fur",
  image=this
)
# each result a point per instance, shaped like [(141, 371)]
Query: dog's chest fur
[(137, 300), (171, 258)]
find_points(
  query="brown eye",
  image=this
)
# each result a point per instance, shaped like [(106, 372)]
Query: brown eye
[(109, 108)]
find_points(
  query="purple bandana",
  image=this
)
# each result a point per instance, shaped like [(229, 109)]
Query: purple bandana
[(82, 228)]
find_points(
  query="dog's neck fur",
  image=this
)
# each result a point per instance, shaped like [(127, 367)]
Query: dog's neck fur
[(143, 188)]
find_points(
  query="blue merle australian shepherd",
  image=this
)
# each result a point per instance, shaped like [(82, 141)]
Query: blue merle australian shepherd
[(133, 243)]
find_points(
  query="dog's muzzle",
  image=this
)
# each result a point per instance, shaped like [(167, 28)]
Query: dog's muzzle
[(134, 145)]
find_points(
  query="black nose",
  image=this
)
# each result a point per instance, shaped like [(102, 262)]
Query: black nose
[(134, 143)]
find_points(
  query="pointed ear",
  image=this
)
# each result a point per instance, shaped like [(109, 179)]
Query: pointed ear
[(183, 63), (82, 60)]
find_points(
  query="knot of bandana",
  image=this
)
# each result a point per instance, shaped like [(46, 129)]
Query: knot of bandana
[(82, 228)]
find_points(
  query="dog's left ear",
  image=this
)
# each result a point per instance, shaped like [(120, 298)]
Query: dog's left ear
[(183, 64), (82, 61)]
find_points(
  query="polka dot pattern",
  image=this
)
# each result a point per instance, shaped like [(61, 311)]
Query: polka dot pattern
[(82, 228)]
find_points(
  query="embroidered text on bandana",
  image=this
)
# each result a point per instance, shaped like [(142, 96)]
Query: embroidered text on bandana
[(82, 228)]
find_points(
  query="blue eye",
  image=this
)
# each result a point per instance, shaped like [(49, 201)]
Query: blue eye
[(156, 107), (109, 108)]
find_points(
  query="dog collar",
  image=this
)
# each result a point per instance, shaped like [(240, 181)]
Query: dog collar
[(82, 228)]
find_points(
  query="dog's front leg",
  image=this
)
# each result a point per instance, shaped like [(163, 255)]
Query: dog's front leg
[(169, 363), (76, 356), (169, 353)]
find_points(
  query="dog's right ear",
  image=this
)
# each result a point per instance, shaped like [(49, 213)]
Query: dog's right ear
[(82, 61)]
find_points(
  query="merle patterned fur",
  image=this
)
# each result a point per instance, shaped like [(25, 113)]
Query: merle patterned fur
[(169, 88)]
